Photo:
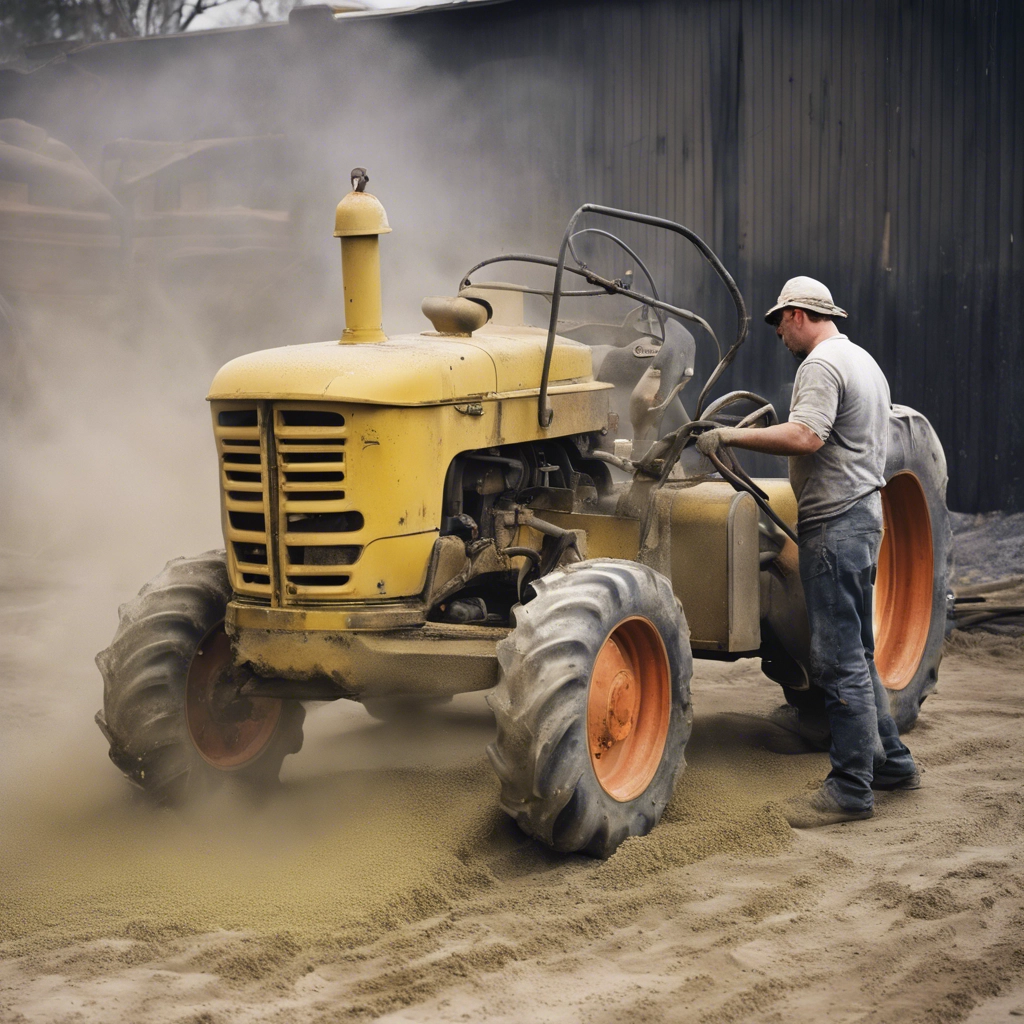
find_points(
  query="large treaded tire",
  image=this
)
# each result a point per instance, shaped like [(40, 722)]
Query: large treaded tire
[(144, 674), (542, 753), (915, 448)]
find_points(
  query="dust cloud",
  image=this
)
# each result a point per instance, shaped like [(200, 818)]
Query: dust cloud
[(108, 464), (109, 470), (379, 832), (376, 826)]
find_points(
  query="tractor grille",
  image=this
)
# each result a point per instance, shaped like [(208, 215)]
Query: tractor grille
[(316, 521), (288, 523), (243, 485)]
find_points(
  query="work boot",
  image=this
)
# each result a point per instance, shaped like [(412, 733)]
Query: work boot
[(900, 783), (817, 809)]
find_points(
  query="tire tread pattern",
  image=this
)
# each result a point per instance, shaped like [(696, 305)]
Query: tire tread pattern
[(541, 754), (144, 671)]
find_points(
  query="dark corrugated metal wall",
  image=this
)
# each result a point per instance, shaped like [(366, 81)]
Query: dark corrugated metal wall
[(875, 145)]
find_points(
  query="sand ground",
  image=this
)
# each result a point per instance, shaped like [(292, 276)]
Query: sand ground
[(381, 882)]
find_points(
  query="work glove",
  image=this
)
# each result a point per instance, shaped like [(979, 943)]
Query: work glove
[(711, 440)]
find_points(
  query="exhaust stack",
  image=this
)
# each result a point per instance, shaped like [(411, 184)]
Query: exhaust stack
[(358, 221)]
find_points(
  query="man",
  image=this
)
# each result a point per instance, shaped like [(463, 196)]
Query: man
[(836, 441)]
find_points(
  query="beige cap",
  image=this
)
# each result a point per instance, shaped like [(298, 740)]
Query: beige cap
[(805, 293)]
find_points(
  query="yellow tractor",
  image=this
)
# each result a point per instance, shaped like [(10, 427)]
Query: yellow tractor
[(408, 518)]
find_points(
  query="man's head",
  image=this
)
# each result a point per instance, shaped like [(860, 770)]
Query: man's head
[(802, 317)]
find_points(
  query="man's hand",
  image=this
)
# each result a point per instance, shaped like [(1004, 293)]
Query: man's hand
[(711, 440)]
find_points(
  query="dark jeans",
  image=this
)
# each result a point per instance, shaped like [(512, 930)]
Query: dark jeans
[(837, 566)]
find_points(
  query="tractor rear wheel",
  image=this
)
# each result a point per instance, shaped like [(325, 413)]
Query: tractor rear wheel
[(593, 706), (171, 712), (914, 566), (912, 587)]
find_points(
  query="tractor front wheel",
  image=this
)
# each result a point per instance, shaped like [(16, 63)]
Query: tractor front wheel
[(593, 706), (176, 723)]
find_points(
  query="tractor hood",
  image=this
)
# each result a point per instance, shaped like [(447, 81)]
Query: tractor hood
[(412, 369)]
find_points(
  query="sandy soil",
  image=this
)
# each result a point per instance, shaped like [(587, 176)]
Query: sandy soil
[(382, 883)]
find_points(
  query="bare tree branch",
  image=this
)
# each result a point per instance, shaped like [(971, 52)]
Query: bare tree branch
[(200, 7), (27, 22)]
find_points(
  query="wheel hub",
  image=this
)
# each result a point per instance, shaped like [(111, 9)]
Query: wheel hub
[(227, 729), (628, 708), (903, 589), (622, 705)]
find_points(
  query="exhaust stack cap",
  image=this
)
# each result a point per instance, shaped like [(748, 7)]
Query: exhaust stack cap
[(456, 317), (360, 213)]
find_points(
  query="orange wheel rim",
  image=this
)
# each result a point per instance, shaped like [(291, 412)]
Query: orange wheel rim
[(628, 708), (905, 582), (227, 730)]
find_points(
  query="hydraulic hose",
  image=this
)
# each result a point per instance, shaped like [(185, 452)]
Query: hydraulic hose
[(607, 286), (521, 552), (978, 603), (613, 460), (526, 257), (756, 493), (632, 255), (503, 460), (767, 411), (993, 614), (544, 413), (665, 454), (731, 399)]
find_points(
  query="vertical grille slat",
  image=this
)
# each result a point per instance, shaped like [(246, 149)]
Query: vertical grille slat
[(316, 518), (244, 496)]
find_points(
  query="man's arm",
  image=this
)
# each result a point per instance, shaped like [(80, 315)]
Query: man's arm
[(782, 439)]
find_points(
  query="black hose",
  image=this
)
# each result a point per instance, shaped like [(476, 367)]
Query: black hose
[(978, 603), (527, 257), (505, 286), (756, 493), (991, 587), (503, 460), (676, 442), (632, 255), (626, 465), (544, 413), (731, 399), (667, 452), (515, 552), (767, 411), (737, 468), (989, 615), (606, 287)]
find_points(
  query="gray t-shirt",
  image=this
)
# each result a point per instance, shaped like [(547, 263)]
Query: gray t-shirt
[(841, 393)]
